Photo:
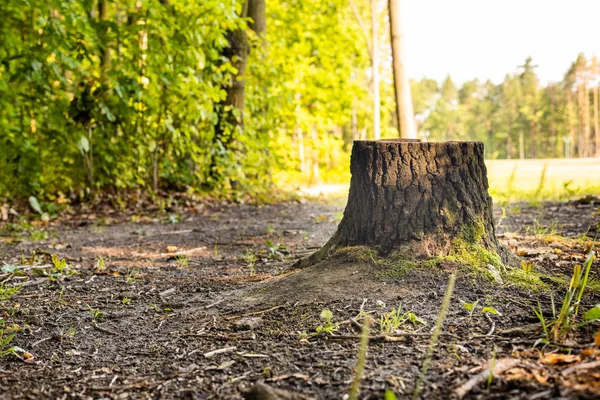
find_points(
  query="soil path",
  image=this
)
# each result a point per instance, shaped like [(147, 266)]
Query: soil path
[(142, 310)]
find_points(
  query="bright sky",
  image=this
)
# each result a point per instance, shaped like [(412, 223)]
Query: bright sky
[(486, 39)]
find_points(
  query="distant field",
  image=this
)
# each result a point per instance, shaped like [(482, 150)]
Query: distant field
[(545, 178), (514, 180)]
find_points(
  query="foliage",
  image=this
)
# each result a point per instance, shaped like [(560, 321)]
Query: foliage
[(390, 321), (561, 324)]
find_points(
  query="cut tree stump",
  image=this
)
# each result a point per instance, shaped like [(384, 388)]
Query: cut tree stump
[(418, 199)]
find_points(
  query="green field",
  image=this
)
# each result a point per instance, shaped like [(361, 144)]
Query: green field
[(544, 179), (515, 180)]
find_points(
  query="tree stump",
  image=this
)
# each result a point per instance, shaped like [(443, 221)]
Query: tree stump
[(419, 199)]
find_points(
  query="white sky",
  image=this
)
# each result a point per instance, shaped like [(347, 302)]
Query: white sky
[(486, 39)]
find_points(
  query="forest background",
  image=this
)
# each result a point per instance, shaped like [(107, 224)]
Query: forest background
[(100, 96)]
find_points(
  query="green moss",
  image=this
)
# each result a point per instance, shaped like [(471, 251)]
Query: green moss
[(527, 280), (396, 267), (451, 216), (357, 254)]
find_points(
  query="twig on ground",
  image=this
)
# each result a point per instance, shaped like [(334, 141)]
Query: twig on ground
[(583, 366), (499, 367), (253, 313), (105, 330), (220, 351)]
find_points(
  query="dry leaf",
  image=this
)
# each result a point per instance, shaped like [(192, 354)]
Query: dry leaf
[(540, 377), (561, 358), (597, 339), (589, 352), (28, 356), (171, 249)]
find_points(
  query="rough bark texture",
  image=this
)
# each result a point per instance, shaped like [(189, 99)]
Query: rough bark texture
[(418, 199)]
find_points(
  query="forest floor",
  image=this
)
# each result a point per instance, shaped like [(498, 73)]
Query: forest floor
[(144, 306)]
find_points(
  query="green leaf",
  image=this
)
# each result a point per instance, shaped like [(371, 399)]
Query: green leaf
[(389, 395), (490, 310), (9, 269), (35, 204), (326, 315), (593, 313), (83, 145)]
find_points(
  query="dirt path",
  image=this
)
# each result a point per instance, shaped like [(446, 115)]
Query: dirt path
[(143, 309)]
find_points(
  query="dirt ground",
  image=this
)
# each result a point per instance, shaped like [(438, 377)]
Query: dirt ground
[(146, 307)]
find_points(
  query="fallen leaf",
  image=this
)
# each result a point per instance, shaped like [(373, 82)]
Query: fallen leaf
[(555, 358), (28, 356), (540, 377), (597, 339), (589, 352), (171, 249)]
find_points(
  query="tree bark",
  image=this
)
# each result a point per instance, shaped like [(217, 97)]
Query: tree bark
[(375, 68), (419, 199), (404, 106), (231, 110)]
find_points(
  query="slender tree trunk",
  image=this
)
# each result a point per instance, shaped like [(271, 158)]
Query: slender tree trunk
[(316, 176), (375, 71), (580, 133), (231, 121), (596, 123), (532, 143), (404, 106), (521, 145), (571, 116), (586, 120), (301, 156), (354, 123), (105, 56)]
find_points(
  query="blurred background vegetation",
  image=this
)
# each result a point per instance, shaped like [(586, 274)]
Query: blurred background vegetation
[(110, 96)]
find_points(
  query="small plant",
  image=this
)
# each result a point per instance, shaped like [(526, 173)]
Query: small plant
[(5, 350), (174, 219), (60, 269), (276, 251), (8, 292), (250, 259), (100, 264), (35, 205), (182, 260), (561, 324), (132, 276), (390, 321), (490, 310), (97, 315), (471, 307), (328, 327), (125, 300), (527, 267), (68, 334)]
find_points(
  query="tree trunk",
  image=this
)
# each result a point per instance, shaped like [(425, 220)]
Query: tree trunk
[(230, 111), (420, 200), (404, 106), (532, 143), (596, 123), (375, 68)]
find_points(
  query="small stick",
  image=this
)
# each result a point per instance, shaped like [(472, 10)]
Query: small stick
[(220, 351), (101, 329), (253, 313), (499, 367)]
